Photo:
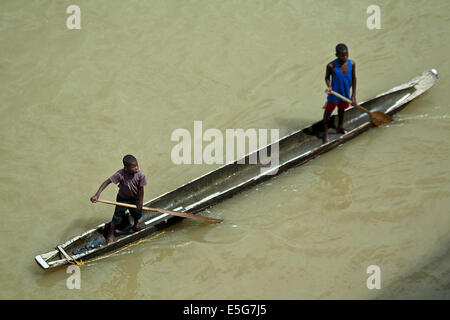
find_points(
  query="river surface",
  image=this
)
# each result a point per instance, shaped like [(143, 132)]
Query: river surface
[(74, 102)]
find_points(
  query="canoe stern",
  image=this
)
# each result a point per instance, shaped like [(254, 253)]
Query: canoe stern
[(41, 262)]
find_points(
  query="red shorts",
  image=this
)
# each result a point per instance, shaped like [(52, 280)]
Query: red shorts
[(330, 106)]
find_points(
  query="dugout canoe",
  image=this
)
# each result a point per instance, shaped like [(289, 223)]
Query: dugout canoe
[(230, 179)]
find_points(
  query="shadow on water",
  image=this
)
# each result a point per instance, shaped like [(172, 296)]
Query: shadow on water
[(426, 280), (291, 124), (48, 278)]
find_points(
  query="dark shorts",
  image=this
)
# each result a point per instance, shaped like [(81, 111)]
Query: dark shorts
[(119, 212), (330, 106)]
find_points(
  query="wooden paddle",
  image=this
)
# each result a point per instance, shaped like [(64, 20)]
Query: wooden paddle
[(173, 213), (377, 117)]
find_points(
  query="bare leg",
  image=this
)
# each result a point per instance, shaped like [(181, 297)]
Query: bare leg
[(326, 119), (136, 225), (341, 121), (110, 238)]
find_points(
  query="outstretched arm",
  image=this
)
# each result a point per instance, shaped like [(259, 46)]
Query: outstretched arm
[(141, 198), (328, 73), (94, 198), (354, 83)]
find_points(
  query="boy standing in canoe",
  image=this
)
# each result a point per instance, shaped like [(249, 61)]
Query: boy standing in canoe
[(343, 76), (131, 182)]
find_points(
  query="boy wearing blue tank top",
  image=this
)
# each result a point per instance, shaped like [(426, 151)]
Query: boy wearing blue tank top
[(343, 76)]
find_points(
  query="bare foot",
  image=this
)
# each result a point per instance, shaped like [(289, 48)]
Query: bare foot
[(325, 139), (136, 228), (342, 130), (110, 239)]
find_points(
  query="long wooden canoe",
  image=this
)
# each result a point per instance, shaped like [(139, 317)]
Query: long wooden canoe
[(230, 179)]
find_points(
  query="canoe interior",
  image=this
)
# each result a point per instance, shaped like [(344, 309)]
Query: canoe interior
[(232, 178), (290, 147)]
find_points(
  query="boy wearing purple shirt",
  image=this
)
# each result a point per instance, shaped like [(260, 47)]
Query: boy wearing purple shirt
[(131, 182)]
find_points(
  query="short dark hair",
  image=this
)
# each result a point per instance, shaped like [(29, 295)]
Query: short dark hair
[(129, 160), (340, 48)]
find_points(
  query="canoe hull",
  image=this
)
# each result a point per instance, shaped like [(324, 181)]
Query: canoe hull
[(231, 179)]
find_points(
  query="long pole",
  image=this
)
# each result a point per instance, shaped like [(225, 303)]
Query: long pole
[(173, 213)]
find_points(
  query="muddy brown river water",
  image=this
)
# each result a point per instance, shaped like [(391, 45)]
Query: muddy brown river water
[(73, 102)]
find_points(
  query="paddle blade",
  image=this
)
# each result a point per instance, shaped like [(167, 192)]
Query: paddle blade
[(375, 121), (379, 118)]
